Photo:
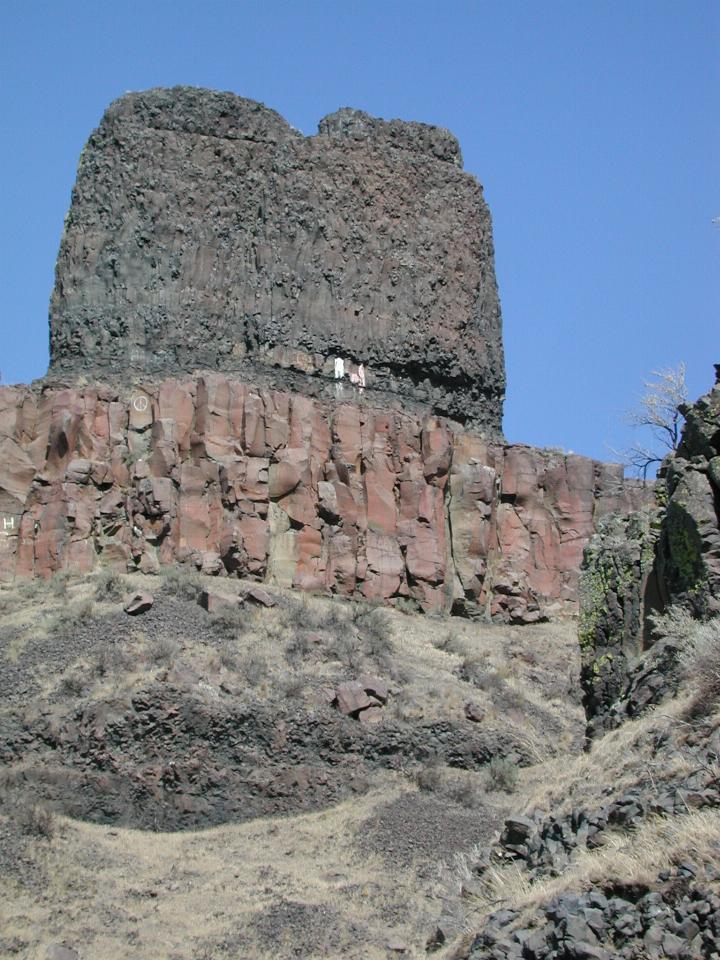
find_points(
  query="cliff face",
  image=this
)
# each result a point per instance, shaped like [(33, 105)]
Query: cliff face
[(689, 547), (639, 565), (206, 233), (339, 498)]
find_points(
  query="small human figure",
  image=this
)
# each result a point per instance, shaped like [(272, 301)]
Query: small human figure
[(361, 376), (354, 379), (339, 368)]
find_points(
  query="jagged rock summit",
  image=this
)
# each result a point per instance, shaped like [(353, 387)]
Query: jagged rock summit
[(206, 233)]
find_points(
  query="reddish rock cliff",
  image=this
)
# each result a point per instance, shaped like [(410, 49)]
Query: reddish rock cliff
[(339, 498)]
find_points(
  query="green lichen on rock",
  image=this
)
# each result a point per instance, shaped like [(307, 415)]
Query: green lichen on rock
[(616, 566), (685, 564)]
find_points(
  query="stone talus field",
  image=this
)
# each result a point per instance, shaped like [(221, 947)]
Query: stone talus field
[(206, 233), (337, 498)]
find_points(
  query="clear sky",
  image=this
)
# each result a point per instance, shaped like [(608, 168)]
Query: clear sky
[(592, 124)]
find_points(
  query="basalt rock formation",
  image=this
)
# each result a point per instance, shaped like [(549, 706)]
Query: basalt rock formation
[(689, 548), (666, 555), (207, 233), (338, 498), (216, 266)]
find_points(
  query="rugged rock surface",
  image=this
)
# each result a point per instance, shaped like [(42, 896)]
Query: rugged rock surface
[(618, 589), (689, 549), (675, 913), (340, 498), (205, 232), (640, 564), (680, 919)]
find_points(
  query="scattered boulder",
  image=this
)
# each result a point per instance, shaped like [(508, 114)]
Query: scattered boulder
[(140, 603), (473, 711), (214, 602), (350, 698), (371, 714), (362, 699), (260, 597), (375, 687)]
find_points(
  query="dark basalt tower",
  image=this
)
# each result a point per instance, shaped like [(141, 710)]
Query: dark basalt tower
[(205, 232)]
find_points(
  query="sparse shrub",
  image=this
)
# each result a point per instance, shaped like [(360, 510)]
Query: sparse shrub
[(334, 617), (228, 622), (302, 614), (452, 643), (376, 641), (700, 662), (271, 630), (164, 651), (505, 697), (467, 793), (430, 778), (29, 589), (443, 641), (401, 673), (59, 583), (407, 605), (502, 775), (434, 778), (255, 667), (298, 614), (72, 685), (228, 658), (182, 582), (348, 649), (406, 707), (292, 686), (37, 821), (298, 647), (474, 670), (73, 616), (374, 626), (110, 585), (109, 659)]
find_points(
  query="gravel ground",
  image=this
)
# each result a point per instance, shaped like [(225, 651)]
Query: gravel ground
[(417, 827)]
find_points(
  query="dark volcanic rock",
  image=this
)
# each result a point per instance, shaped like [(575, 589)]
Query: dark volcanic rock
[(638, 564), (618, 588), (689, 548), (205, 232)]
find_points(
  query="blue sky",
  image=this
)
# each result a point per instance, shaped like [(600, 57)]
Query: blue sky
[(593, 126)]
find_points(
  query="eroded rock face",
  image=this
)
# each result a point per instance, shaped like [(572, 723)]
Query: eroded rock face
[(206, 233), (337, 498), (618, 590), (642, 564), (689, 548)]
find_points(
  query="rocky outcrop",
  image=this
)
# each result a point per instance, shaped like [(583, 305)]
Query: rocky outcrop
[(618, 589), (689, 550), (675, 913), (206, 233), (641, 564), (338, 498)]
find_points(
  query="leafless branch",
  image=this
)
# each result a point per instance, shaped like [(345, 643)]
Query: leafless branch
[(657, 413)]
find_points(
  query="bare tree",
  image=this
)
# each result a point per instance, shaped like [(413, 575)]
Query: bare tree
[(659, 417)]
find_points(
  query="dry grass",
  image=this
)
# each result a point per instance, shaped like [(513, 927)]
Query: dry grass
[(122, 892), (632, 857), (621, 757)]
